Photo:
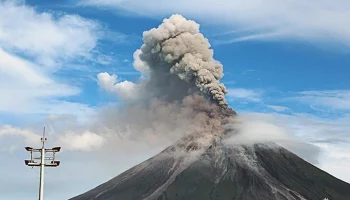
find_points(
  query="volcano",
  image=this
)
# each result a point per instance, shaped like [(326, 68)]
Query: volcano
[(189, 171), (182, 94)]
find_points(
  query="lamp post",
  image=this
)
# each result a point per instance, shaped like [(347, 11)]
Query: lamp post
[(42, 164)]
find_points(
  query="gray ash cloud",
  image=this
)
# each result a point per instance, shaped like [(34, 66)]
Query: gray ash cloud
[(181, 62), (180, 93)]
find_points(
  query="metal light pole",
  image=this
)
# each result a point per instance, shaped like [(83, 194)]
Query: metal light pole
[(42, 164)]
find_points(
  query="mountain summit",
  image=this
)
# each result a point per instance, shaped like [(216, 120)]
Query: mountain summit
[(187, 171)]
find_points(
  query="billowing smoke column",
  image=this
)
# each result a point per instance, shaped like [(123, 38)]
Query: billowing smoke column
[(179, 94), (181, 62)]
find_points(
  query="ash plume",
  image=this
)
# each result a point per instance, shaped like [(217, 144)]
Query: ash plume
[(180, 92), (181, 62)]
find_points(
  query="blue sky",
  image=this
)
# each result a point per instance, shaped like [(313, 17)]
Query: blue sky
[(285, 64)]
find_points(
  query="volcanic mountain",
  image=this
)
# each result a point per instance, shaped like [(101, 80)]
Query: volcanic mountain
[(182, 94), (206, 169)]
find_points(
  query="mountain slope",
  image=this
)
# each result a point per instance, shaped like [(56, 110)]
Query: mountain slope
[(259, 172)]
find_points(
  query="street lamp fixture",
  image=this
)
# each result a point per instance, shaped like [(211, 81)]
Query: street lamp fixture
[(42, 161)]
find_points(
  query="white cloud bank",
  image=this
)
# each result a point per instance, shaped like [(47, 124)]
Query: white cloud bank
[(278, 108), (27, 135), (336, 100), (124, 89), (86, 141), (32, 46), (23, 85), (244, 94), (318, 21), (324, 142), (50, 39), (253, 131), (12, 137)]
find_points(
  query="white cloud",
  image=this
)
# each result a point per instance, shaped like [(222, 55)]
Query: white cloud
[(320, 21), (278, 108), (15, 67), (124, 89), (69, 140), (331, 136), (337, 160), (49, 39), (253, 131), (81, 111), (328, 99), (32, 45), (18, 72), (86, 141), (139, 65), (60, 117), (104, 59), (246, 94), (29, 137), (24, 88)]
